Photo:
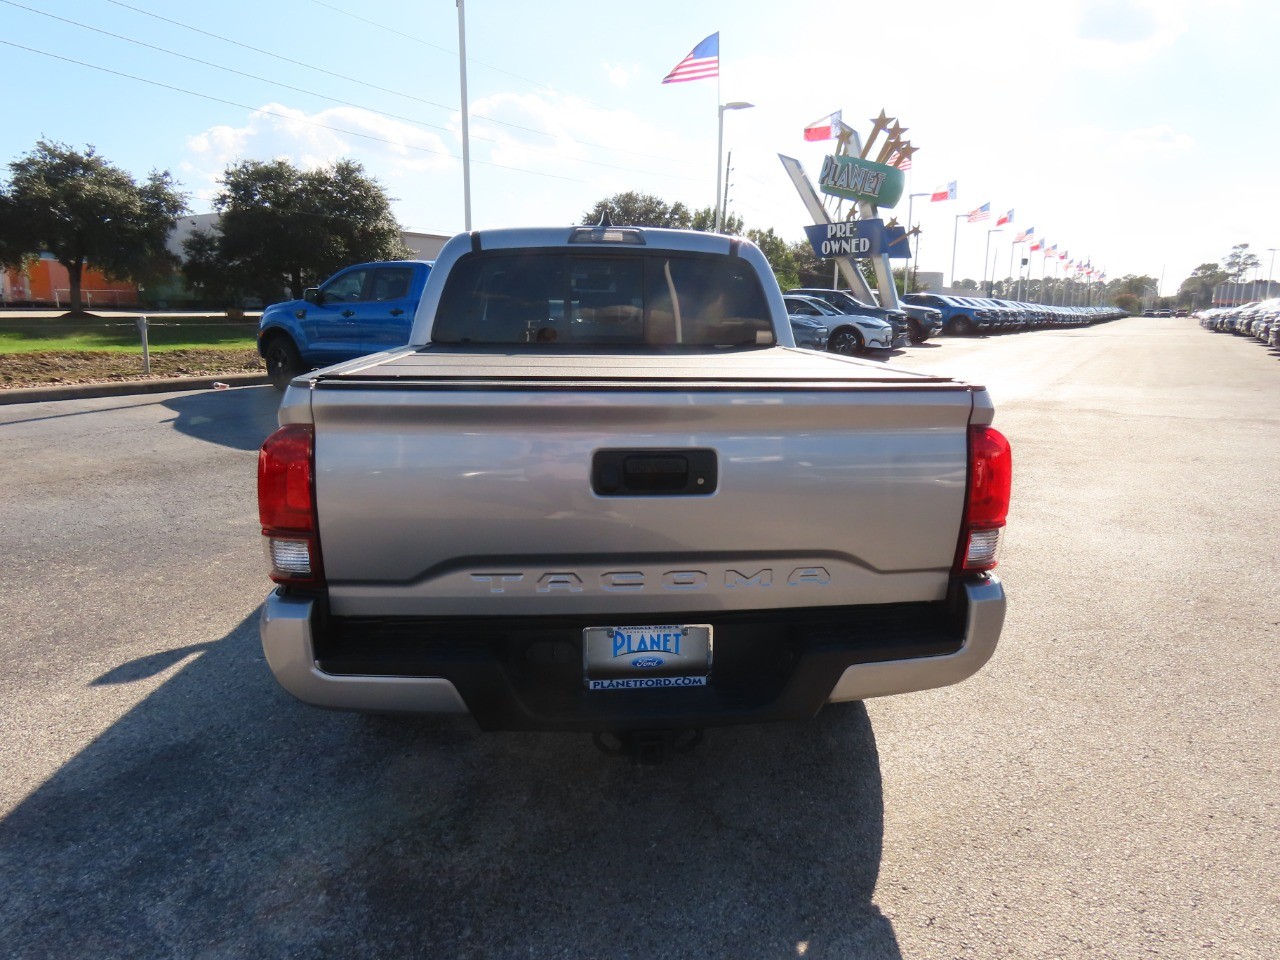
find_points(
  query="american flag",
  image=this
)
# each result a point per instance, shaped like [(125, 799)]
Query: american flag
[(703, 61), (893, 161), (981, 213), (1005, 218), (1024, 235)]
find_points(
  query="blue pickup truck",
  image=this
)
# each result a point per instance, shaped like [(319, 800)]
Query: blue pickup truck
[(363, 309)]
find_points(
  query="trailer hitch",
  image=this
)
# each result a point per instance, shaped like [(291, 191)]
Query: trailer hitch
[(647, 747)]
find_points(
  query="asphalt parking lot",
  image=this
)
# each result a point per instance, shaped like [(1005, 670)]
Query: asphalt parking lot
[(1106, 787)]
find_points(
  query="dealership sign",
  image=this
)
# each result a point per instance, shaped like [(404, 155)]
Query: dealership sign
[(853, 178), (858, 238)]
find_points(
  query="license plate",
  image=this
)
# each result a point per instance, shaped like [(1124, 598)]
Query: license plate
[(657, 657)]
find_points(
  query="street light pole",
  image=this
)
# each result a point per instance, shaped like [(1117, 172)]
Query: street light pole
[(735, 105)]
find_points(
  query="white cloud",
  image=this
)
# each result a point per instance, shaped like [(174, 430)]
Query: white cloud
[(572, 138), (400, 155), (1130, 28), (318, 139), (619, 74), (1137, 148)]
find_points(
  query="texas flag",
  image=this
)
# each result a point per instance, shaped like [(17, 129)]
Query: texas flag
[(1005, 218), (1035, 245), (824, 129), (944, 193)]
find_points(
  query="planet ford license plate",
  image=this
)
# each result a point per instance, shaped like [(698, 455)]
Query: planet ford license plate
[(646, 658)]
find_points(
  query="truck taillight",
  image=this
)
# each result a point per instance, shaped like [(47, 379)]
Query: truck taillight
[(987, 499), (286, 505)]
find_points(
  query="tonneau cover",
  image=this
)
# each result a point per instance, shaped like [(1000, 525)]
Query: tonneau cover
[(778, 367)]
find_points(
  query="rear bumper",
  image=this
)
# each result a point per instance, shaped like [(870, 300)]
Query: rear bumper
[(526, 673)]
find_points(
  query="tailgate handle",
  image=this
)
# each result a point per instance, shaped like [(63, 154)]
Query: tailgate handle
[(647, 473)]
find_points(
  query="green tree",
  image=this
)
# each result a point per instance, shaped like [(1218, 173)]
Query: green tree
[(631, 209), (1239, 261), (1129, 302), (82, 209), (966, 284), (779, 254), (1197, 289), (704, 219), (811, 269), (280, 226), (1134, 285)]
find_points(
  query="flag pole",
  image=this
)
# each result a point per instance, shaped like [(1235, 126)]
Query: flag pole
[(915, 256), (955, 234), (719, 141), (466, 136), (986, 259)]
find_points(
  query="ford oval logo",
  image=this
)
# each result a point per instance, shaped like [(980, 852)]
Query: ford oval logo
[(647, 662)]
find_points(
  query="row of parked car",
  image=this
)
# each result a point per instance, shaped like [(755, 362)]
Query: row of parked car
[(962, 316), (836, 320), (1260, 320)]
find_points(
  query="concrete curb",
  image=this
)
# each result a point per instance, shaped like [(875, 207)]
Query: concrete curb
[(124, 388)]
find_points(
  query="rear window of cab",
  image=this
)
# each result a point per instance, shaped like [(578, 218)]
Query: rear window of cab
[(588, 298)]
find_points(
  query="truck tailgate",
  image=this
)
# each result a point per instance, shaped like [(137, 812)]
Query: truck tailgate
[(469, 482)]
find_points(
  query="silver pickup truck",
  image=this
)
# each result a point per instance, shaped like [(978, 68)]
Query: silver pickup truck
[(602, 491)]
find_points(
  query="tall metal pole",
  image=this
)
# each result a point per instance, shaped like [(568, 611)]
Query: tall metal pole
[(724, 203), (719, 154), (466, 130), (955, 234), (1271, 269), (986, 259), (907, 283), (720, 109)]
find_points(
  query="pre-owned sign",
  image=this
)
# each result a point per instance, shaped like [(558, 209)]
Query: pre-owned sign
[(856, 179), (858, 238)]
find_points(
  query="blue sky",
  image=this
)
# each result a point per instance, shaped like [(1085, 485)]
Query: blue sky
[(1137, 133)]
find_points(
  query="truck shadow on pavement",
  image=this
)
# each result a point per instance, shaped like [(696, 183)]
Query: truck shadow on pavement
[(219, 817), (240, 418)]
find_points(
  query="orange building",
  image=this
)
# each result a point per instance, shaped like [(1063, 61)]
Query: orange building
[(45, 283)]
